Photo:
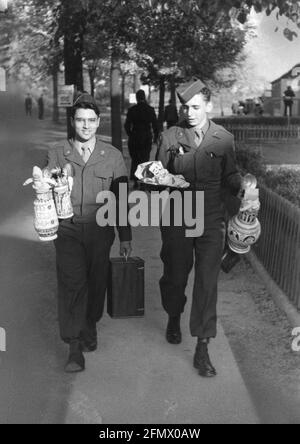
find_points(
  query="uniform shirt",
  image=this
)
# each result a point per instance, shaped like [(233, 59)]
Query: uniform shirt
[(200, 132), (90, 146)]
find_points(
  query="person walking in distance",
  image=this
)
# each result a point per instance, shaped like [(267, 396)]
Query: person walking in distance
[(171, 114), (28, 105), (288, 101), (41, 107), (141, 127)]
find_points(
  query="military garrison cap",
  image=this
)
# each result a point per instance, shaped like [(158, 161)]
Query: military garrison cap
[(186, 91), (85, 98)]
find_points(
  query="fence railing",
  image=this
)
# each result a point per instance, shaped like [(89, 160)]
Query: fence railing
[(265, 132), (279, 245)]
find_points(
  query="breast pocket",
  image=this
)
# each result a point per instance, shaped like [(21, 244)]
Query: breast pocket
[(209, 165), (185, 164), (102, 180)]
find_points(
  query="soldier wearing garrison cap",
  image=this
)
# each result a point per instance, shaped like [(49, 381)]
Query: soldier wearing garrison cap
[(83, 247), (203, 153)]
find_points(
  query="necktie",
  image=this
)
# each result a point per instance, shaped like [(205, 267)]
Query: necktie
[(198, 137), (85, 154)]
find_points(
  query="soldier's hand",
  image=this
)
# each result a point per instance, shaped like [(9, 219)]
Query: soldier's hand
[(125, 249)]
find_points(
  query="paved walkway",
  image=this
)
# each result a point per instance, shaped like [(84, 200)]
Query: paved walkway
[(135, 376)]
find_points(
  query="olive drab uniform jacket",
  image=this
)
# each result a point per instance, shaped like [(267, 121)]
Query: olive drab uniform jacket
[(210, 167), (104, 170)]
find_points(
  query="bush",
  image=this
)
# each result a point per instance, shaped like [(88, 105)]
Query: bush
[(250, 160), (283, 181)]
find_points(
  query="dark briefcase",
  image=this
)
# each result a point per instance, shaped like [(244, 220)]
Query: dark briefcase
[(125, 290)]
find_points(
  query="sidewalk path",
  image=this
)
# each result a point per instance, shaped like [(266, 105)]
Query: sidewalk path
[(135, 376)]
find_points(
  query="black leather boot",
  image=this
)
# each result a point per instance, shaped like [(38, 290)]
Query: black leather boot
[(173, 332), (76, 362), (202, 361), (88, 338)]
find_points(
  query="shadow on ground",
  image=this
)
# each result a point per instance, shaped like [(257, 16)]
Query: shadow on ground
[(33, 387)]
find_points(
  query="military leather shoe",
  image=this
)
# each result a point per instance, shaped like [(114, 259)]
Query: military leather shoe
[(76, 362), (202, 362), (88, 339), (89, 345), (173, 332)]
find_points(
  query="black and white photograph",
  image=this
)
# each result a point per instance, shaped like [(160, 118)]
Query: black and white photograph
[(150, 214)]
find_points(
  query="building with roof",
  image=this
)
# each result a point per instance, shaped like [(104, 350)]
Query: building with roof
[(274, 105)]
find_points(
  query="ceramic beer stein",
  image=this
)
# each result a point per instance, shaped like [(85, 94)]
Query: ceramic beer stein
[(244, 228), (45, 217)]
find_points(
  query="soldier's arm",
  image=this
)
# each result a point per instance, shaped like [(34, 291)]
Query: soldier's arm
[(231, 181), (120, 179), (162, 152), (231, 176), (154, 124)]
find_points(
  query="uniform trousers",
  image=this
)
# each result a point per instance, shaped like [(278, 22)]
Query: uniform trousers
[(139, 146), (288, 106), (178, 255), (82, 262)]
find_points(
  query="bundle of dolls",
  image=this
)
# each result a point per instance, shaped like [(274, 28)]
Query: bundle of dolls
[(154, 173)]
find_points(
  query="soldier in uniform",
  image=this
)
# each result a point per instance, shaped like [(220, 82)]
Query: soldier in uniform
[(203, 153), (142, 128), (28, 105), (83, 247)]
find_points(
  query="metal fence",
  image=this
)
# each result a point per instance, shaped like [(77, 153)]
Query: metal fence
[(279, 245), (265, 132)]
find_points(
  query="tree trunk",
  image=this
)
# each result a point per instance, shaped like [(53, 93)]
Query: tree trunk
[(221, 105), (73, 74), (150, 95), (73, 48), (162, 89), (115, 93), (123, 93), (92, 81), (55, 114), (173, 89)]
